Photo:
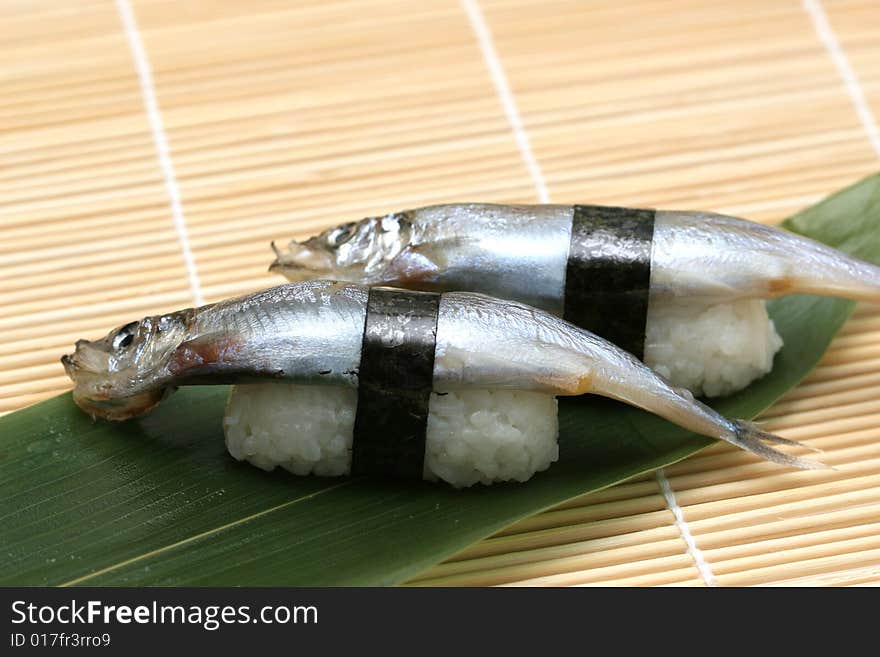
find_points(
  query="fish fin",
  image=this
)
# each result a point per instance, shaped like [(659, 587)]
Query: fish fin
[(202, 353), (749, 437), (410, 266), (570, 386), (773, 438)]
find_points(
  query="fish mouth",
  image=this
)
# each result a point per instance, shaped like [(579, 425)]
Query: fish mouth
[(94, 392), (119, 408), (73, 367), (70, 366), (95, 395), (88, 359), (301, 263)]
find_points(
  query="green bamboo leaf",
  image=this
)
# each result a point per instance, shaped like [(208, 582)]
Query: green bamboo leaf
[(158, 501)]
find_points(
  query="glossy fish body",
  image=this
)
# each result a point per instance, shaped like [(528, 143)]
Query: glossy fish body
[(312, 333), (520, 252)]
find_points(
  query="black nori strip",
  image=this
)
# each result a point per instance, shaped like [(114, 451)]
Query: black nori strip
[(608, 276), (394, 383)]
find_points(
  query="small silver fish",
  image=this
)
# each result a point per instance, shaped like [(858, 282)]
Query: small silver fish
[(520, 252), (312, 333)]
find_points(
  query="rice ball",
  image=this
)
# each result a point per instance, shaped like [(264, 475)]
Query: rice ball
[(712, 350), (472, 436)]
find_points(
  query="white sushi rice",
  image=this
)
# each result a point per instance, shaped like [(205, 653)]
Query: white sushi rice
[(711, 350), (473, 436)]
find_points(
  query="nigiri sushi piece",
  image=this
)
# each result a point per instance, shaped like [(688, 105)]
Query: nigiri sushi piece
[(471, 436), (684, 291), (348, 336)]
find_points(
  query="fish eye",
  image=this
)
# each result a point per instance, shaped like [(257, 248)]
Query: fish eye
[(341, 235), (124, 337)]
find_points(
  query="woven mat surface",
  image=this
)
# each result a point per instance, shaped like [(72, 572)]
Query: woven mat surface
[(150, 151)]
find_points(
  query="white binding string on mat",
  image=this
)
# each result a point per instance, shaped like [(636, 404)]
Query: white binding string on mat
[(160, 139), (502, 88), (826, 34), (685, 530)]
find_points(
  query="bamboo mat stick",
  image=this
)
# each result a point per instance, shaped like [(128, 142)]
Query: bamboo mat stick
[(388, 105)]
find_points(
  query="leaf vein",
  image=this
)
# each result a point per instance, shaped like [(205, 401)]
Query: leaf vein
[(201, 535)]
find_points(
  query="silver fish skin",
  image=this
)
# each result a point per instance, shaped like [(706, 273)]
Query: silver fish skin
[(520, 252), (312, 332)]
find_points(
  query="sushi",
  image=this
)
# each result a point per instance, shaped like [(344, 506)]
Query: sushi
[(384, 367), (471, 436), (684, 291)]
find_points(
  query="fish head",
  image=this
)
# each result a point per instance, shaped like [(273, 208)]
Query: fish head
[(121, 375), (359, 252)]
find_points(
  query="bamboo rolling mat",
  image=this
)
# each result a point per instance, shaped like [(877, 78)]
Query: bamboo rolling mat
[(150, 151)]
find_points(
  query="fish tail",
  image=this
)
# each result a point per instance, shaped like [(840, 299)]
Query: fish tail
[(641, 387), (773, 438), (748, 436)]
